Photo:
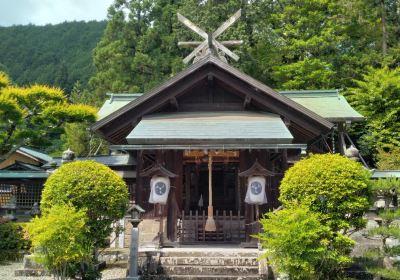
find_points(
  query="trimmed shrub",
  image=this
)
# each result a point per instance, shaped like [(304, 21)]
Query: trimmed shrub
[(90, 186), (296, 243), (332, 185)]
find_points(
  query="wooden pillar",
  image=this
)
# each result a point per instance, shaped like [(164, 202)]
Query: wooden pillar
[(139, 179), (178, 170), (187, 188), (341, 141), (174, 162), (196, 183), (264, 158), (244, 162)]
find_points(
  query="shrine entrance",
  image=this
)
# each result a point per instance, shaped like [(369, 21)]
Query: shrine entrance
[(229, 221), (224, 182)]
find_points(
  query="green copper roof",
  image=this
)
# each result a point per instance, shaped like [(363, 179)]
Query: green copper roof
[(385, 174), (329, 104), (326, 103), (210, 127), (115, 102), (23, 174)]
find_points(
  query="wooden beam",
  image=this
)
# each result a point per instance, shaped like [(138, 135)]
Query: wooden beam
[(192, 26), (196, 43), (227, 23)]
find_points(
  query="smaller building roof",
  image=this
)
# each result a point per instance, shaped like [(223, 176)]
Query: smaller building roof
[(110, 161), (384, 174), (23, 174), (115, 102), (35, 154), (210, 127), (329, 104)]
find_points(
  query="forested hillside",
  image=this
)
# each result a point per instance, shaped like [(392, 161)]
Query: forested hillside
[(56, 55), (352, 45)]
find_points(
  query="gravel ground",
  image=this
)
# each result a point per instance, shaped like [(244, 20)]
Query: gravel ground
[(7, 273)]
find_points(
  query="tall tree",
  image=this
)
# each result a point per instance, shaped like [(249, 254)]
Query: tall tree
[(34, 115), (377, 97)]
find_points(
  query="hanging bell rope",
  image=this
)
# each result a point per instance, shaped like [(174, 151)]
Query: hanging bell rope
[(210, 223)]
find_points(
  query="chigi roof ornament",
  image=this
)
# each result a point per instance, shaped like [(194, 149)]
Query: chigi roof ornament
[(210, 45)]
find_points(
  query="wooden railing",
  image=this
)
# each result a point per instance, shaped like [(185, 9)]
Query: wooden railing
[(230, 227)]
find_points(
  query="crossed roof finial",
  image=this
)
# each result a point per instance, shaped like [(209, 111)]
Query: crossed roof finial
[(210, 43)]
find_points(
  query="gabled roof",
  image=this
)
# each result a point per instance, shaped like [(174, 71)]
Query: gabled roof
[(34, 154), (118, 124), (326, 103)]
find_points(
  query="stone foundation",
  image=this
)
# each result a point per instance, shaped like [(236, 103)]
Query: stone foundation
[(148, 233)]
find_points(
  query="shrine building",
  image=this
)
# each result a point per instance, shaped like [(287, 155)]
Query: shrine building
[(211, 146)]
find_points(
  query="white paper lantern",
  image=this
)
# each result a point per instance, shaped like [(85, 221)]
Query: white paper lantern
[(159, 189), (256, 190)]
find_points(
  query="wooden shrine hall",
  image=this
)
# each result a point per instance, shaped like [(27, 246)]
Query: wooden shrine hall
[(212, 145)]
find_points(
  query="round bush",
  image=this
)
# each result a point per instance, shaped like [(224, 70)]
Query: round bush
[(92, 187), (331, 184)]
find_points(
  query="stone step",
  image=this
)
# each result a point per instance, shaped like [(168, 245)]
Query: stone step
[(211, 253), (209, 270), (118, 264), (207, 261), (205, 277), (29, 272)]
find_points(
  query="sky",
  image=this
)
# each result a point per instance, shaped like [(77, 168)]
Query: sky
[(41, 12)]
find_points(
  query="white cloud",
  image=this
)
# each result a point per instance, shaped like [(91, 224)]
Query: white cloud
[(40, 12)]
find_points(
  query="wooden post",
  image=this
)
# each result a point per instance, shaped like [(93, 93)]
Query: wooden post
[(210, 223), (139, 179), (187, 188), (342, 142)]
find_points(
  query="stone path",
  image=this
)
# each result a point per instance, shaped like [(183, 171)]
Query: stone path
[(7, 273)]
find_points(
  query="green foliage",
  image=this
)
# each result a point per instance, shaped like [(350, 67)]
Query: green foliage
[(13, 241), (376, 96), (389, 160), (82, 141), (59, 239), (298, 244), (385, 185), (56, 55), (135, 55), (4, 80), (32, 114), (91, 186), (330, 184)]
